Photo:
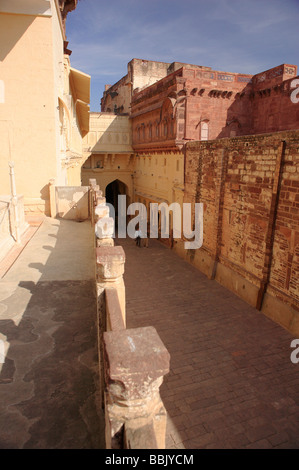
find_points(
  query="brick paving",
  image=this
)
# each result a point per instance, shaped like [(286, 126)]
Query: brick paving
[(231, 383)]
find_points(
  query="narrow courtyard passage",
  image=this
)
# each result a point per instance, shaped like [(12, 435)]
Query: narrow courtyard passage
[(49, 379), (232, 383)]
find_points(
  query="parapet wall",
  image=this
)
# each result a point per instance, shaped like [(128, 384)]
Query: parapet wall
[(132, 362), (250, 190)]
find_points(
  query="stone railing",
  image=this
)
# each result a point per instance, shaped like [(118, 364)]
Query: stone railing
[(12, 222), (133, 362)]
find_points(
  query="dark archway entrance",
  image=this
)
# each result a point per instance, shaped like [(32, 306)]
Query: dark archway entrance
[(113, 189)]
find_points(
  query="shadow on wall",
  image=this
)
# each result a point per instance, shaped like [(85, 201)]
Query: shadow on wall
[(49, 380), (11, 31), (239, 114), (72, 202), (44, 195)]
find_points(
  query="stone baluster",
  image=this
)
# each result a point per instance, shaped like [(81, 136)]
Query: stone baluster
[(104, 228), (110, 268), (101, 211), (99, 199), (110, 262), (92, 185), (135, 362)]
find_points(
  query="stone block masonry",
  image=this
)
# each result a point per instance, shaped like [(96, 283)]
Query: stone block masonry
[(250, 190)]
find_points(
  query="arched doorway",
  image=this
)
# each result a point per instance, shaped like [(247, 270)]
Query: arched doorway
[(113, 190)]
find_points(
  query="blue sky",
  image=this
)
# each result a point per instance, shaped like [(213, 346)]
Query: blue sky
[(246, 36)]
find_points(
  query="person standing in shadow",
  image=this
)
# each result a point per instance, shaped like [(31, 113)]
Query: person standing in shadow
[(138, 238)]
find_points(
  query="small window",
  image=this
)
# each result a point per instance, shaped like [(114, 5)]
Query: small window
[(204, 131), (178, 165)]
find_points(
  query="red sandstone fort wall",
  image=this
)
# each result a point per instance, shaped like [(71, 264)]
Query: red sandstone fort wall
[(250, 190), (273, 110), (227, 104), (219, 98)]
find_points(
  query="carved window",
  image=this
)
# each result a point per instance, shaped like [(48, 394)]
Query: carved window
[(234, 127)]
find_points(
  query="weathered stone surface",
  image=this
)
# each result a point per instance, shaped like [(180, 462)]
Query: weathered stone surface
[(140, 437), (104, 227), (92, 182), (104, 242), (101, 211), (110, 262), (72, 202), (136, 362), (99, 199), (115, 320), (250, 192)]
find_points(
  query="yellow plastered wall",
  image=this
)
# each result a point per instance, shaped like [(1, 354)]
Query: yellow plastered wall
[(109, 133), (160, 176), (108, 151), (74, 176), (28, 117)]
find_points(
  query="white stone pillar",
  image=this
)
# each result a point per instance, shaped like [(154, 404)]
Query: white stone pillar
[(14, 200)]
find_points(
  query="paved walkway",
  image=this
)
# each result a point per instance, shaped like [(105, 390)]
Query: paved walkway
[(232, 383), (48, 382)]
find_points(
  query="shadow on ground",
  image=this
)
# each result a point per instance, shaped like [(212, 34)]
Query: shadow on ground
[(49, 382)]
